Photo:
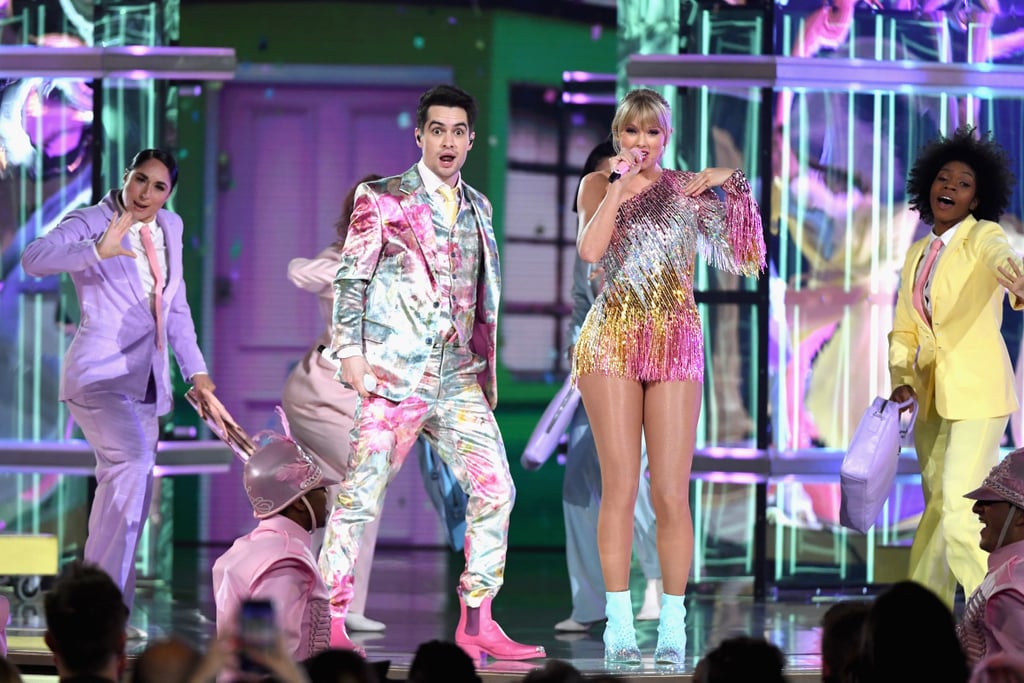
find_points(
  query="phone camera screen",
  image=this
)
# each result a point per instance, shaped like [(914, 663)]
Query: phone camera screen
[(257, 631)]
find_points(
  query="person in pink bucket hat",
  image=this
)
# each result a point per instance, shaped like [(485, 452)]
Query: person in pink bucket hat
[(993, 619), (275, 561)]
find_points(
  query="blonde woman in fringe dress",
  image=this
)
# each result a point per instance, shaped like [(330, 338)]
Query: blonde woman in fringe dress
[(639, 360)]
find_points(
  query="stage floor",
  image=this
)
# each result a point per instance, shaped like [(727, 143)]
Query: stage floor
[(412, 591)]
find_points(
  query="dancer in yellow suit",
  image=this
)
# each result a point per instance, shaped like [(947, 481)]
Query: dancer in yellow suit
[(946, 349)]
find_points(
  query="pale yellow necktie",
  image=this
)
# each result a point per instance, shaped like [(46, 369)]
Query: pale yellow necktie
[(451, 205)]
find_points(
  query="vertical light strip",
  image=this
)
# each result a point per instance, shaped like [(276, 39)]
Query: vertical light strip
[(752, 143), (782, 345)]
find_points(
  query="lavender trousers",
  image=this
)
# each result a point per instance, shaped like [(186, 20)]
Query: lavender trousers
[(449, 407), (123, 433)]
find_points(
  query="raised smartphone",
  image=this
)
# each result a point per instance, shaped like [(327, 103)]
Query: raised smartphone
[(257, 631)]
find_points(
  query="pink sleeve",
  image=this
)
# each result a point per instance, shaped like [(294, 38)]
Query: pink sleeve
[(743, 225), (315, 274), (1004, 621), (286, 585)]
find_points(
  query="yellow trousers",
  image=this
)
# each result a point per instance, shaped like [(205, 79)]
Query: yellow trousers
[(955, 456)]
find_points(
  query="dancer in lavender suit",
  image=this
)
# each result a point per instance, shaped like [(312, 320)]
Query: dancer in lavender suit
[(124, 258)]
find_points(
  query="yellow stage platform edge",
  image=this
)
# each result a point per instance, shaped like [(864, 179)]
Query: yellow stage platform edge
[(24, 555)]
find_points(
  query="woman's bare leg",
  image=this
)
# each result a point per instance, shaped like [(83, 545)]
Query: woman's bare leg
[(670, 414), (615, 409)]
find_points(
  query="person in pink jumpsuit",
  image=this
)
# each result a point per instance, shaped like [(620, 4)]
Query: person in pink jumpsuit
[(993, 619), (275, 561), (320, 410)]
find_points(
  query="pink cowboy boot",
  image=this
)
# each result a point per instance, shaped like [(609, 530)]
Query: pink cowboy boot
[(489, 638), (340, 639)]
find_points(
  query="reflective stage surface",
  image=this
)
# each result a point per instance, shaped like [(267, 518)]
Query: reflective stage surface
[(412, 591)]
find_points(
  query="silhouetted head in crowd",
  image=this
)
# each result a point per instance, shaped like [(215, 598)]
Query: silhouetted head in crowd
[(840, 638), (909, 635), (555, 671), (8, 672), (343, 666), (85, 623), (742, 660), (166, 661), (439, 661)]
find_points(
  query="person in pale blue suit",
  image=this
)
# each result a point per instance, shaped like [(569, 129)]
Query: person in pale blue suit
[(581, 490)]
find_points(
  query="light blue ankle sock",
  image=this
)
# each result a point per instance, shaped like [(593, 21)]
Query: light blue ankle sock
[(671, 631), (619, 633)]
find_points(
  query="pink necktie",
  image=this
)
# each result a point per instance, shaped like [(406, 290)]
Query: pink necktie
[(158, 283), (922, 279)]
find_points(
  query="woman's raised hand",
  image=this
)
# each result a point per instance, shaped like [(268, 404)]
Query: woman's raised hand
[(1012, 277), (703, 181), (109, 244)]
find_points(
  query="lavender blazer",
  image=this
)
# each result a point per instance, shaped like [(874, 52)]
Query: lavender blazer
[(114, 349), (386, 287)]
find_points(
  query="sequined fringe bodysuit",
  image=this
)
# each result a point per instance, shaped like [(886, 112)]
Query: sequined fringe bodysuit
[(645, 325)]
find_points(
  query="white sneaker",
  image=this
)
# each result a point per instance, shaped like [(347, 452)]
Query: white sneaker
[(135, 633), (570, 625), (651, 609), (359, 622)]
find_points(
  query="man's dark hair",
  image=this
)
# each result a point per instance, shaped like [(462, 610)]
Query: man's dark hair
[(910, 635), (85, 618), (555, 671), (742, 659), (994, 181), (446, 96), (840, 638), (344, 666), (163, 157), (439, 661), (166, 661)]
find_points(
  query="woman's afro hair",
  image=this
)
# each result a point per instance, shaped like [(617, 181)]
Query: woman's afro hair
[(993, 179)]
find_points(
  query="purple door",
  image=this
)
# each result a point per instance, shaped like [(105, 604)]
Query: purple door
[(288, 156)]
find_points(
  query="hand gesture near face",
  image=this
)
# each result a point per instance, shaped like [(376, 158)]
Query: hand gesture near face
[(1012, 277), (704, 180), (109, 244)]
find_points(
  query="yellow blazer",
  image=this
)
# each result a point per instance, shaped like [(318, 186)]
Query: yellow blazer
[(960, 363)]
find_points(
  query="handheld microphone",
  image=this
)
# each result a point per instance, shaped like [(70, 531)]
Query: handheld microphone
[(620, 168), (369, 381), (623, 167)]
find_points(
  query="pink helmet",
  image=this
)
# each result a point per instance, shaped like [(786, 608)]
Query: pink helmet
[(1005, 482), (279, 473)]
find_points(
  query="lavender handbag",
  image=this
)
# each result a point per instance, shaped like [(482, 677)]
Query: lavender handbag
[(553, 423), (869, 466)]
